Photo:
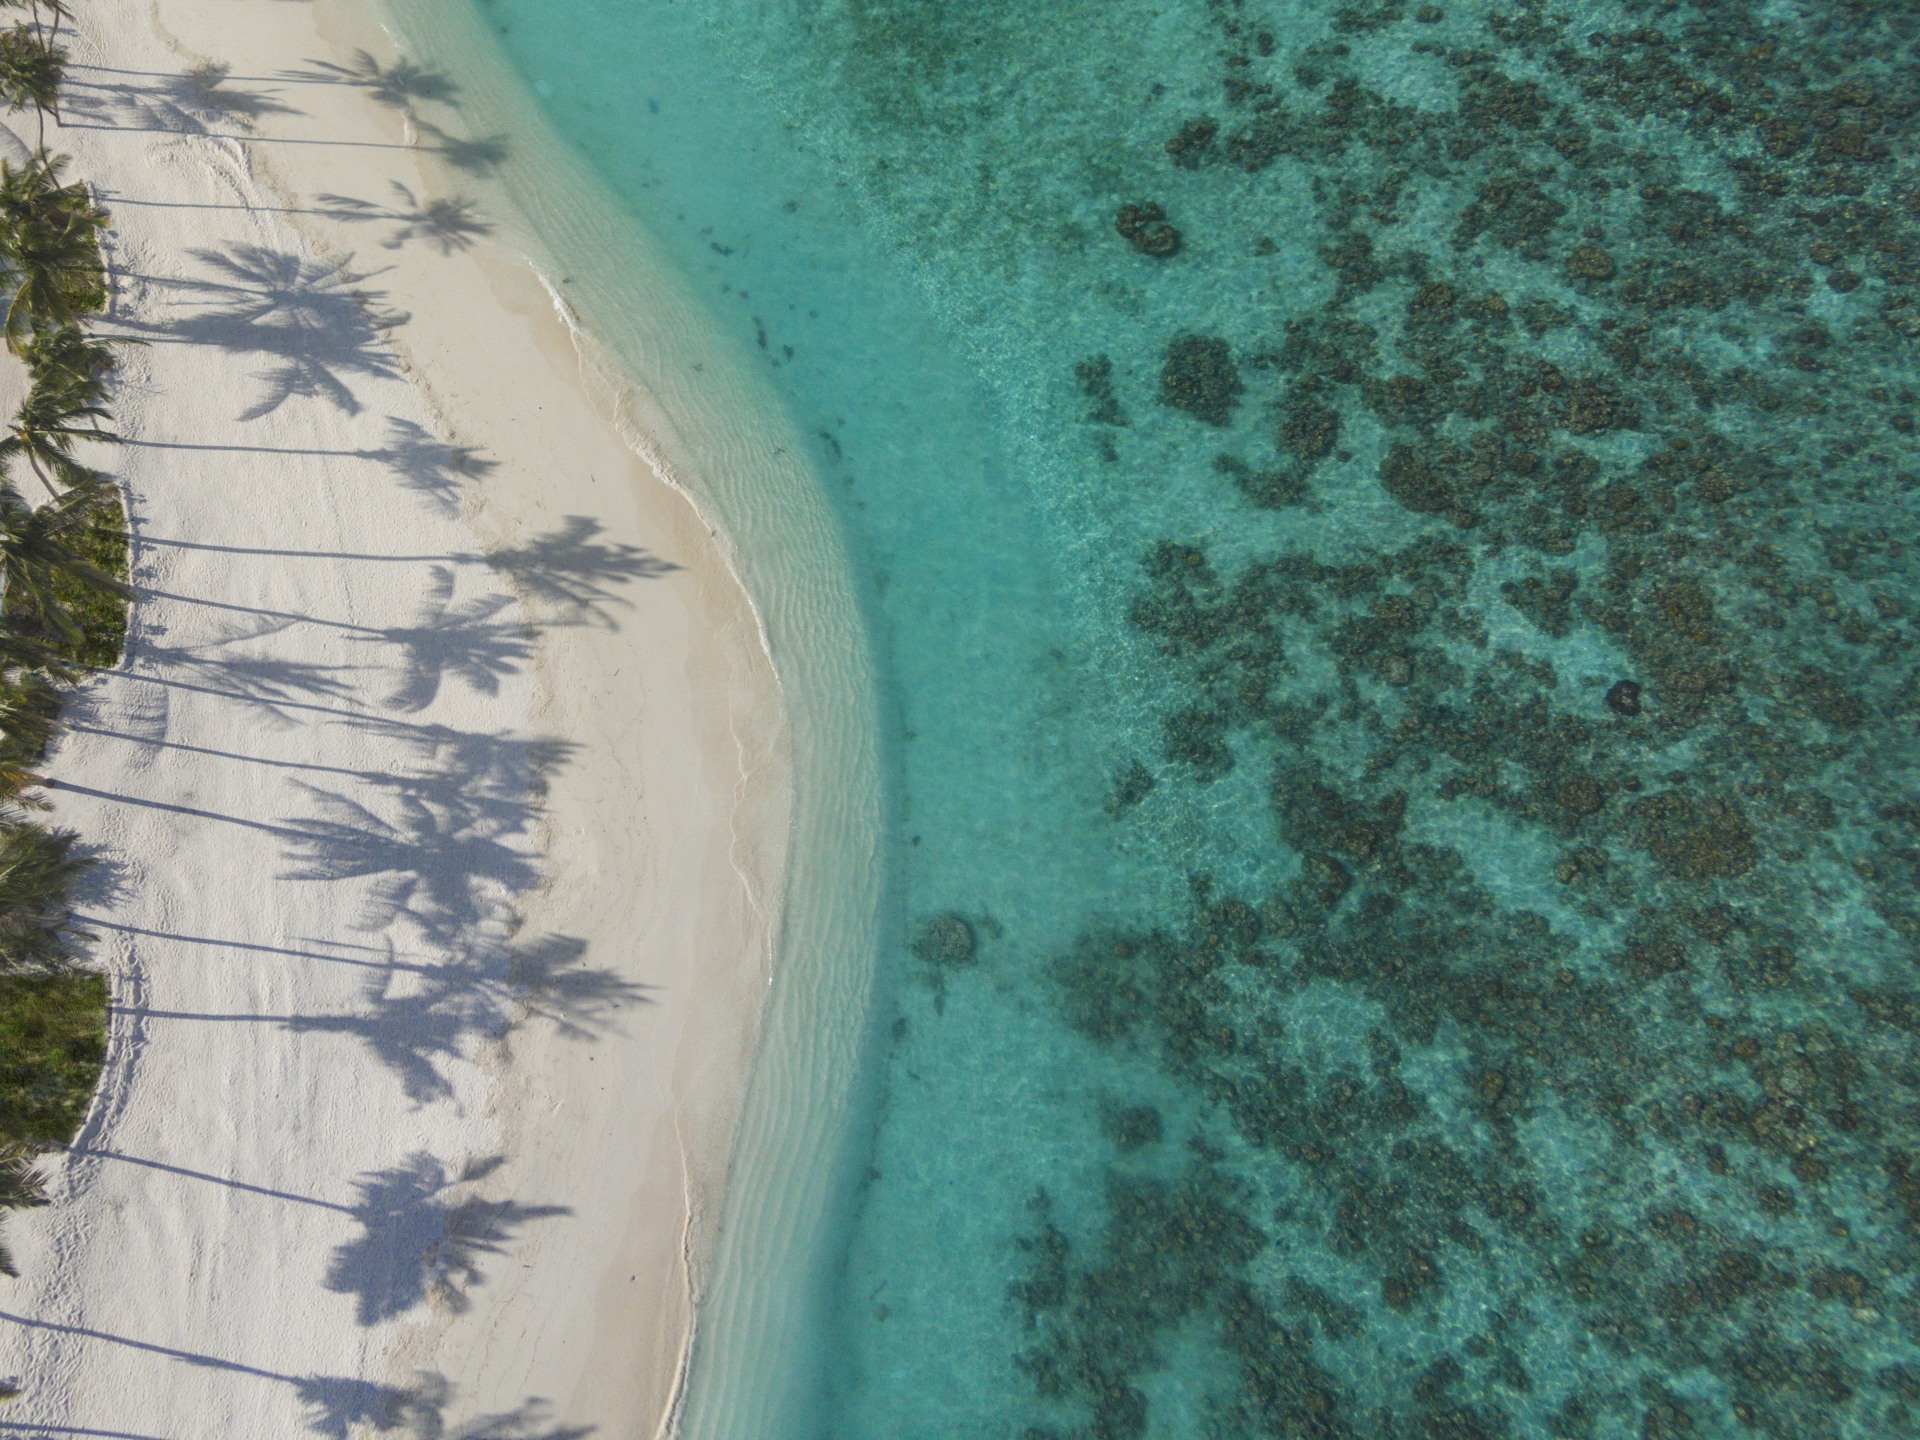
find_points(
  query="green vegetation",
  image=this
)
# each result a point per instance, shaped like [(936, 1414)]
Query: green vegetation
[(31, 69), (52, 1032), (63, 610), (100, 612)]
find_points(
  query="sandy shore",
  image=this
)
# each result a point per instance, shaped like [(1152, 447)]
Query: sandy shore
[(442, 795)]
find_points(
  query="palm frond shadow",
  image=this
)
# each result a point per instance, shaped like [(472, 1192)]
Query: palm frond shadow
[(446, 863), (419, 1241), (428, 465), (313, 320), (475, 155), (99, 886), (414, 1036), (337, 1406), (451, 222), (188, 103), (574, 571), (450, 843), (271, 685), (530, 1420), (549, 980), (399, 86), (467, 639)]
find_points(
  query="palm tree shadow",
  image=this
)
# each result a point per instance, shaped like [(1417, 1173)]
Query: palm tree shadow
[(451, 222), (495, 770), (448, 845), (475, 155), (573, 570), (447, 848), (414, 1035), (450, 864), (429, 465), (98, 888), (269, 684), (419, 1019), (419, 1241), (399, 86), (531, 1420), (549, 981), (187, 103), (467, 639), (312, 319), (339, 1408)]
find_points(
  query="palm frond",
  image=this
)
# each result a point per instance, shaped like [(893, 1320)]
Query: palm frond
[(37, 867), (21, 1188)]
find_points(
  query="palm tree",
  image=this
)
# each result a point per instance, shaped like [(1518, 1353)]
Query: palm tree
[(31, 69), (29, 714), (60, 10), (20, 654), (49, 247), (61, 407), (37, 553), (36, 867), (67, 350)]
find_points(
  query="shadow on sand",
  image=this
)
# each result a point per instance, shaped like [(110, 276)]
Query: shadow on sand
[(314, 322), (335, 1407), (571, 570), (401, 85), (195, 100), (419, 1241), (449, 223), (189, 102), (439, 853)]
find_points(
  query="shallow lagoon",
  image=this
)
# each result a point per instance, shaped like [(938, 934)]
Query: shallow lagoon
[(1388, 530)]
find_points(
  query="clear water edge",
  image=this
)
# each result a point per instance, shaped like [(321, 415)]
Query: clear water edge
[(712, 427)]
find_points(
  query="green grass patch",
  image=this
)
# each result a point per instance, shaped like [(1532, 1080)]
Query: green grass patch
[(102, 615), (53, 1025), (53, 1038)]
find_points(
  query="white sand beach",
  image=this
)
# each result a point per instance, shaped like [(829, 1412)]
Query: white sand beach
[(442, 799)]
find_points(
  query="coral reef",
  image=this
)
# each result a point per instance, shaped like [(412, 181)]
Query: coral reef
[(1545, 1058), (1581, 449)]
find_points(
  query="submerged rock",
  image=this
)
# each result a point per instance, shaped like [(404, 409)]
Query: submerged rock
[(1590, 262), (1187, 147), (1131, 785), (1309, 429), (1695, 839), (1096, 383), (1624, 697), (1146, 228), (1134, 1126), (945, 940), (1199, 377)]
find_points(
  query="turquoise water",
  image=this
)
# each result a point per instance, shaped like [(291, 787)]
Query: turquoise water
[(1398, 697)]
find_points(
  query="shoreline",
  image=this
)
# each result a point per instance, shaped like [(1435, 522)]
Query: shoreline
[(698, 401), (679, 738)]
